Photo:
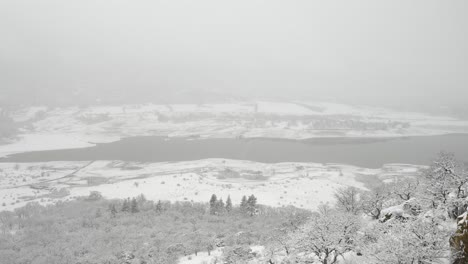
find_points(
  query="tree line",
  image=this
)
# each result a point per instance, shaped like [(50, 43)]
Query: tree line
[(247, 205)]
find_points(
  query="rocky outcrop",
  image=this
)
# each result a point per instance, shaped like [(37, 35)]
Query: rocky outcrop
[(459, 241)]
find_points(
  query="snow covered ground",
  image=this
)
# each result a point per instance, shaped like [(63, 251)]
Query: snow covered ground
[(216, 256), (75, 127), (304, 185), (203, 258)]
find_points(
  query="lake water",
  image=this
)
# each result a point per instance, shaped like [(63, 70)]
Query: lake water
[(371, 153)]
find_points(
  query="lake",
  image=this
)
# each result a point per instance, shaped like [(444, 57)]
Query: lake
[(370, 153)]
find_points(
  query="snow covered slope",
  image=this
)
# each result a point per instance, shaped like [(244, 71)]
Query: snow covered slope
[(304, 185), (75, 127)]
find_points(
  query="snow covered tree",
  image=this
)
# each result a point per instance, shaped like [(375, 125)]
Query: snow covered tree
[(373, 202), (281, 242), (159, 206), (405, 189), (444, 177), (326, 237), (220, 206), (251, 205), (6, 221), (237, 255), (112, 210), (141, 199), (126, 205), (347, 200), (229, 204), (134, 206), (243, 202), (197, 244), (213, 204), (94, 196), (420, 240)]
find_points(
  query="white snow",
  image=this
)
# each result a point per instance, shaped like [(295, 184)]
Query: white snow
[(51, 141), (304, 185), (202, 257), (74, 127)]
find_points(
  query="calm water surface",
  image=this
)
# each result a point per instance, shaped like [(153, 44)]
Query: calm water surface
[(370, 153)]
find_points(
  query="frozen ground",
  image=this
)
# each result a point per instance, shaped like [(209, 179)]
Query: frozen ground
[(216, 256), (203, 258), (304, 185), (75, 127)]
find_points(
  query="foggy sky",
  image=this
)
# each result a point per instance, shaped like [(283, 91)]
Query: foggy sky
[(368, 51)]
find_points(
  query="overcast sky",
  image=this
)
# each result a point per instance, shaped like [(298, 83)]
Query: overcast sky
[(356, 51)]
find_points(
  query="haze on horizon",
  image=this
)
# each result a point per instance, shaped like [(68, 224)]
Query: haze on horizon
[(396, 53)]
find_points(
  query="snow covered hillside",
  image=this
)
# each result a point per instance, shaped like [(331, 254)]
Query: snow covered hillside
[(73, 127), (304, 185)]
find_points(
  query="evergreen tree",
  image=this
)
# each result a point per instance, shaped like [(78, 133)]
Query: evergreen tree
[(134, 206), (251, 206), (141, 199), (243, 203), (126, 205), (213, 204), (113, 210), (220, 206), (229, 204), (252, 201), (221, 203), (159, 207)]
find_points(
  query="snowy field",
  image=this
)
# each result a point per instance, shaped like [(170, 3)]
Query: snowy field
[(73, 127), (304, 185)]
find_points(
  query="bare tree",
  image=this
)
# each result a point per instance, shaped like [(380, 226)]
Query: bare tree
[(405, 189), (373, 202), (347, 200)]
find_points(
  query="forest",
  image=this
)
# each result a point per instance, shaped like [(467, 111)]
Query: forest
[(419, 219), (96, 230)]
